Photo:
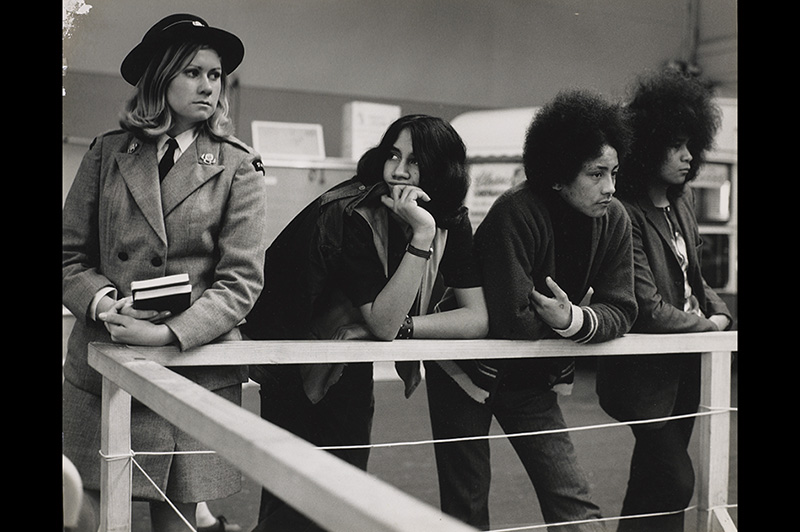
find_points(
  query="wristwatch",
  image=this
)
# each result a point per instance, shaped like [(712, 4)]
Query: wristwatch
[(419, 252)]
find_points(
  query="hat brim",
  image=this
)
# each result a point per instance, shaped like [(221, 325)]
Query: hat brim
[(226, 44)]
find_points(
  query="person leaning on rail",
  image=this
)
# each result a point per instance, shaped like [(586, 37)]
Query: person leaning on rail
[(674, 121), (140, 209), (364, 261), (556, 259)]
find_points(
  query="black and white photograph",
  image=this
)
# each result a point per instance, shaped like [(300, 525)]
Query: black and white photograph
[(399, 266)]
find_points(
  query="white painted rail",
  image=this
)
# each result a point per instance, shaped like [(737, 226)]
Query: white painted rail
[(310, 479)]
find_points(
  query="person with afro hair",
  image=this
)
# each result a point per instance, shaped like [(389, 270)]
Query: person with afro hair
[(556, 256), (674, 120)]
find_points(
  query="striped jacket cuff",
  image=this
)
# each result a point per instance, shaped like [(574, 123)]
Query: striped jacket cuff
[(583, 326)]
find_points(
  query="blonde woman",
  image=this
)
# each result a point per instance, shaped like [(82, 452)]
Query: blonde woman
[(140, 208)]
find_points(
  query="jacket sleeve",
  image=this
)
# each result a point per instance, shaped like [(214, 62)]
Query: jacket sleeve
[(239, 272), (613, 308), (714, 303), (656, 314), (81, 277), (510, 246)]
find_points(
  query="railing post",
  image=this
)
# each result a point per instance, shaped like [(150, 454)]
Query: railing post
[(115, 465), (714, 433)]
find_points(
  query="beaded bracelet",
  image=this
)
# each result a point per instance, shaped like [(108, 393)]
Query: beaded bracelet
[(406, 331)]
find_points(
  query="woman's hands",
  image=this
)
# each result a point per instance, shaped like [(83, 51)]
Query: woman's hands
[(128, 325), (555, 311), (403, 201), (384, 315)]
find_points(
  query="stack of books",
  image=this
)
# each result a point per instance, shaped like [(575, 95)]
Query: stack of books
[(173, 293)]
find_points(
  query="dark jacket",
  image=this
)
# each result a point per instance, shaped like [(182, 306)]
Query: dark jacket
[(303, 296), (515, 246), (301, 268), (632, 388)]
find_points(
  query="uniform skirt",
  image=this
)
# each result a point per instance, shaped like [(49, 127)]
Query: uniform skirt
[(184, 478)]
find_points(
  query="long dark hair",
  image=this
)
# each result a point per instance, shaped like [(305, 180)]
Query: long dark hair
[(664, 107), (441, 155)]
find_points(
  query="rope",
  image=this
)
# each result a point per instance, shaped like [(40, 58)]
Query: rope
[(709, 411), (607, 519), (164, 453), (706, 412), (599, 520), (131, 456), (193, 529)]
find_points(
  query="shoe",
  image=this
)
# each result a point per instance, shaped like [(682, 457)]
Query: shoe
[(222, 525)]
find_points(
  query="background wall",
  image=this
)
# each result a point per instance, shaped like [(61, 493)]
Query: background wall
[(306, 58)]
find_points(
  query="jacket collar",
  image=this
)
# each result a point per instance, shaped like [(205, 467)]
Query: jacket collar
[(368, 196), (655, 217), (138, 166)]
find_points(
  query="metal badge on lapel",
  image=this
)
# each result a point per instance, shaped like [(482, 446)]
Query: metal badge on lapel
[(259, 167), (207, 158), (133, 147)]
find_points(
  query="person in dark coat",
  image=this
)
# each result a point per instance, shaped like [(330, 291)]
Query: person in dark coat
[(556, 258), (674, 121), (365, 260)]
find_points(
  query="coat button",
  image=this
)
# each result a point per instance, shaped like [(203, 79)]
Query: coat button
[(156, 261), (122, 256)]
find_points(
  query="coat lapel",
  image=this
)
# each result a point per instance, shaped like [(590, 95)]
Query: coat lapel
[(655, 217), (684, 211), (194, 167), (139, 168)]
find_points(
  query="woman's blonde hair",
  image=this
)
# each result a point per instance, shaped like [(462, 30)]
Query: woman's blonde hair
[(147, 113)]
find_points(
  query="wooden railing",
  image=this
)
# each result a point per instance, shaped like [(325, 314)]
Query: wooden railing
[(312, 480)]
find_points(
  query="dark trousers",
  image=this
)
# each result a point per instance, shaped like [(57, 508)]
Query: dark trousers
[(342, 417), (661, 475), (464, 468)]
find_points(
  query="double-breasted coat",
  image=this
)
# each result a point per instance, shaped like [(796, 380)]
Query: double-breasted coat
[(120, 224), (207, 218), (631, 388)]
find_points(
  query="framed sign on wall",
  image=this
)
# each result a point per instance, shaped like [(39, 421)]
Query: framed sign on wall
[(288, 140)]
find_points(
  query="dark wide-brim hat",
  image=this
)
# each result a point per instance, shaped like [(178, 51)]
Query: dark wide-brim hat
[(179, 28)]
